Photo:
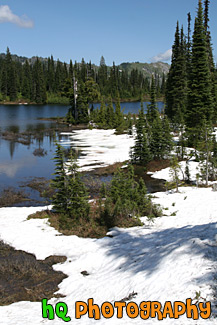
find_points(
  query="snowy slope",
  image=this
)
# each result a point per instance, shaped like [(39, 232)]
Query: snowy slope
[(170, 259)]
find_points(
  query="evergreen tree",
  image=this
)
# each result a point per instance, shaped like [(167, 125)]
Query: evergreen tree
[(102, 75), (70, 199), (26, 85), (110, 117), (9, 86), (83, 70), (152, 108), (210, 56), (77, 203), (39, 83), (59, 200), (81, 96), (156, 143), (140, 152), (176, 88), (102, 113), (200, 99), (128, 197), (51, 75), (188, 53), (71, 70), (167, 143), (163, 85), (118, 115)]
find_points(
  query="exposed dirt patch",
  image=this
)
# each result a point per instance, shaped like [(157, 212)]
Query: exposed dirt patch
[(108, 170), (24, 278), (156, 165)]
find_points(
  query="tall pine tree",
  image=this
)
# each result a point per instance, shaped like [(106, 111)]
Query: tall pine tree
[(200, 99)]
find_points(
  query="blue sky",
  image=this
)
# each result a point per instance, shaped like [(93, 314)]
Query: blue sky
[(120, 30)]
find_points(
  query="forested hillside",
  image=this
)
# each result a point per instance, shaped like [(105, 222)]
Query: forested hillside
[(42, 80)]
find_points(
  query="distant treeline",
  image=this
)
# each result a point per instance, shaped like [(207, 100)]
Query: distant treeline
[(49, 81)]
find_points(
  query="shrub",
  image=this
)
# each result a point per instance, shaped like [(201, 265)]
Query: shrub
[(126, 199)]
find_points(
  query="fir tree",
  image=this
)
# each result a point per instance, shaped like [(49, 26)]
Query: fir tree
[(176, 88), (102, 113), (126, 199), (200, 99), (51, 75), (70, 199), (9, 86), (167, 143), (102, 74), (39, 84), (110, 117), (156, 143), (26, 85), (210, 56), (77, 203), (152, 108), (188, 53), (140, 152), (118, 116), (59, 200)]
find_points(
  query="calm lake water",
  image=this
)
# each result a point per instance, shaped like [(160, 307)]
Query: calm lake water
[(18, 164)]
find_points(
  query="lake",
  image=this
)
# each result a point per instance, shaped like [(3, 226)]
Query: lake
[(18, 163)]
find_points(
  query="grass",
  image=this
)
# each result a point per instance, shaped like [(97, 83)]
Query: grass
[(23, 278), (108, 170), (55, 99), (11, 196), (87, 228)]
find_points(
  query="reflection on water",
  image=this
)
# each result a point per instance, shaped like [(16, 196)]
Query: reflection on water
[(25, 117), (17, 162), (11, 168)]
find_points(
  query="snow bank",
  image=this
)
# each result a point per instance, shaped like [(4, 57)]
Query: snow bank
[(172, 258), (100, 148), (165, 173)]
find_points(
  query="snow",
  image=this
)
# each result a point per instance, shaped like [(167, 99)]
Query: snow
[(169, 259), (100, 148), (172, 258), (165, 173)]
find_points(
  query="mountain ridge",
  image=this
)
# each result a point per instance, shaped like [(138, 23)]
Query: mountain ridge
[(146, 68)]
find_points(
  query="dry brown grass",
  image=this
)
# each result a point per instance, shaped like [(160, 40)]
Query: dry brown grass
[(92, 227), (23, 277), (156, 165), (108, 170), (11, 196)]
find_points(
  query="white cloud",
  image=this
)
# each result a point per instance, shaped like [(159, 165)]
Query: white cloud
[(6, 15), (166, 56)]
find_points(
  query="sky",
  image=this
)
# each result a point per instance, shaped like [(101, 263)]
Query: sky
[(120, 30)]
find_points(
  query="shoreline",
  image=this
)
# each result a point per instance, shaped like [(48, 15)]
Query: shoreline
[(124, 100)]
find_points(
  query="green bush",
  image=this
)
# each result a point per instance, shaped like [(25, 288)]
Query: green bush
[(57, 99), (126, 200)]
